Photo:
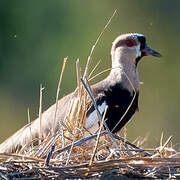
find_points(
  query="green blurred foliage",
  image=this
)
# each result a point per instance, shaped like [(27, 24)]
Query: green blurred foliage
[(35, 36)]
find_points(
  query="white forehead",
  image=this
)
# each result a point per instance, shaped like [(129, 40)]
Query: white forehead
[(138, 35), (130, 35)]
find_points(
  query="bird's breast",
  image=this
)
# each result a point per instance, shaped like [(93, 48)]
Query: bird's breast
[(121, 103)]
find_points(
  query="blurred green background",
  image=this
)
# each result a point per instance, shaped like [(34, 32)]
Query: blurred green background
[(35, 36)]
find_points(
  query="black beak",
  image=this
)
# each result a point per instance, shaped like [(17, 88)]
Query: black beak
[(147, 51)]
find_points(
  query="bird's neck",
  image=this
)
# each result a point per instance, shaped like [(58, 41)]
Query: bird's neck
[(125, 72)]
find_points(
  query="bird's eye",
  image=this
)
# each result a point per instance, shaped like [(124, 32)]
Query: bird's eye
[(130, 43)]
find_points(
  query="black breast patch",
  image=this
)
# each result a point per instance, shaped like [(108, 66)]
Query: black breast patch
[(118, 100)]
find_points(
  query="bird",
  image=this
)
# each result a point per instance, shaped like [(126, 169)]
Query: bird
[(119, 92)]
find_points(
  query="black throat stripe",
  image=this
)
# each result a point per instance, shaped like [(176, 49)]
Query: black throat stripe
[(142, 41)]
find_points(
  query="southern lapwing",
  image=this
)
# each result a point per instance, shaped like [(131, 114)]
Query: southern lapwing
[(119, 91)]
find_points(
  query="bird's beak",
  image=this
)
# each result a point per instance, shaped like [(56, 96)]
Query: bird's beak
[(147, 51)]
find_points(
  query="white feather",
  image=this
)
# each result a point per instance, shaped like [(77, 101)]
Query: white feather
[(93, 118), (138, 51)]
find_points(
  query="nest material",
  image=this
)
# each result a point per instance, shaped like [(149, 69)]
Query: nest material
[(75, 161)]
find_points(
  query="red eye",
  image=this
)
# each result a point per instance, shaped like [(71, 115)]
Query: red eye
[(130, 43)]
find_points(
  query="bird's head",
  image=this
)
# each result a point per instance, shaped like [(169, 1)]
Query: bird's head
[(130, 48)]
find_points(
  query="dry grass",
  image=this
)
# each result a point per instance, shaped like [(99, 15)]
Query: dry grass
[(70, 153), (81, 158)]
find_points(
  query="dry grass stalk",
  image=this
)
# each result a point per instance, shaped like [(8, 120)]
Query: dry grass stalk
[(78, 77), (40, 114), (95, 67), (93, 47), (58, 90), (161, 149)]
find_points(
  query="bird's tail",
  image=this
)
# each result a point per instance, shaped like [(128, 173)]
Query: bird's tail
[(20, 138), (27, 133), (30, 131)]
